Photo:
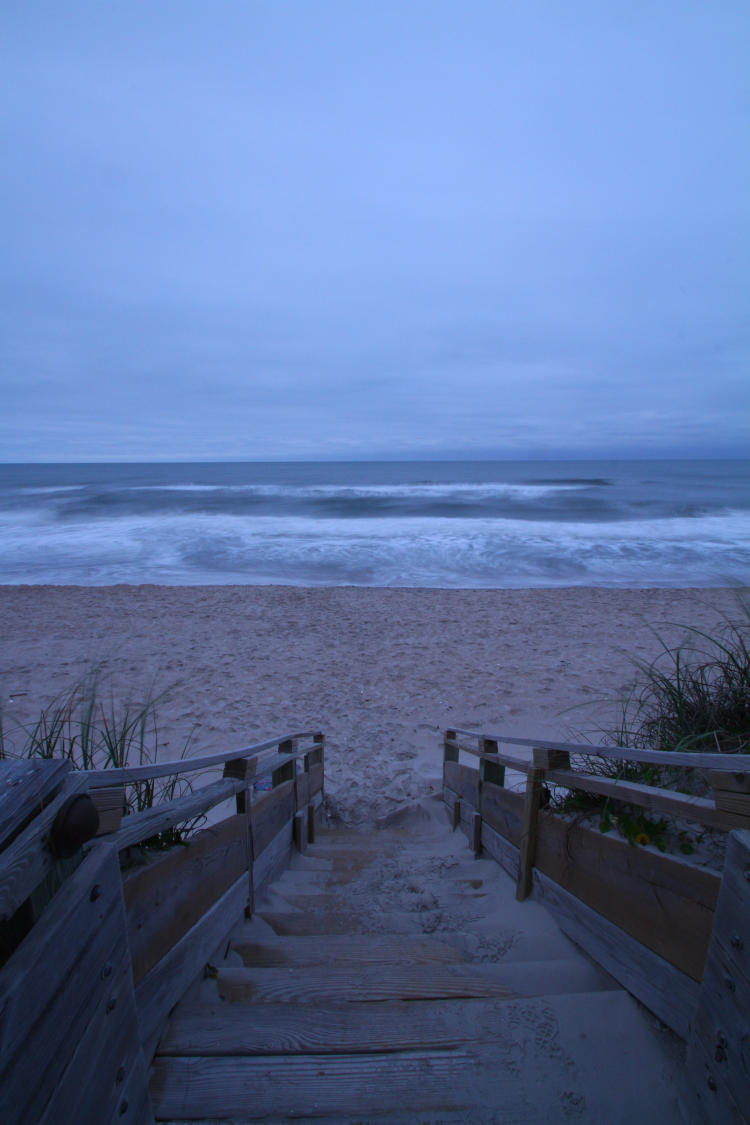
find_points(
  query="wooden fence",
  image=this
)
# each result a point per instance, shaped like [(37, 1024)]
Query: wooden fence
[(93, 957), (676, 935)]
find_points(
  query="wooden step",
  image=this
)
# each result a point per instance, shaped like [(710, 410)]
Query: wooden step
[(410, 982), (342, 951), (274, 1029), (584, 1058), (315, 1085)]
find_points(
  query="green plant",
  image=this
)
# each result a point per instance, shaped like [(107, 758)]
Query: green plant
[(98, 733)]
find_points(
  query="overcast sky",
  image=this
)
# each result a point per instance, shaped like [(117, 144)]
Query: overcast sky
[(292, 228)]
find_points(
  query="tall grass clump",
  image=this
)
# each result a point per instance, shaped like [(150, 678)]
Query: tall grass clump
[(95, 732), (694, 697)]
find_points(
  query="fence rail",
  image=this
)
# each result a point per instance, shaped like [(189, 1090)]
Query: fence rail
[(674, 934), (95, 957)]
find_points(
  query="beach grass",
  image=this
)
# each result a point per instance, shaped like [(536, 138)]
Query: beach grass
[(93, 730)]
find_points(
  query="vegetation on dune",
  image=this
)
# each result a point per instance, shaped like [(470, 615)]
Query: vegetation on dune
[(94, 732), (694, 697)]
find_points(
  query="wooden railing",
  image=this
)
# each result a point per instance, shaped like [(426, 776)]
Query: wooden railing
[(675, 934), (96, 956)]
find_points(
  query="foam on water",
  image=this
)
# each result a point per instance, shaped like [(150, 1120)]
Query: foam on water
[(549, 531)]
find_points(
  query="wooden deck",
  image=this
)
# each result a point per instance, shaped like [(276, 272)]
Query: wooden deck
[(380, 1021)]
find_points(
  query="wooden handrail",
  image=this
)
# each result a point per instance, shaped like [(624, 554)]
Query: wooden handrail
[(150, 822), (101, 778), (712, 761)]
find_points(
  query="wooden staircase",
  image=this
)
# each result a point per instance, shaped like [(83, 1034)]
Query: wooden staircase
[(393, 977)]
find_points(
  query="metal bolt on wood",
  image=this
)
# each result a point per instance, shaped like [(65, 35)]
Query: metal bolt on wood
[(96, 891), (736, 941), (107, 971), (730, 984)]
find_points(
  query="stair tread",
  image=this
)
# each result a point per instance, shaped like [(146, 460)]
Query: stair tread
[(268, 1029), (341, 951), (542, 1060), (409, 982)]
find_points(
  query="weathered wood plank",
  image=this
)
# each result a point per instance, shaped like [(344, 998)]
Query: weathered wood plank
[(735, 807), (160, 989), (529, 829), (729, 781), (683, 805), (25, 787), (503, 811), (718, 1056), (476, 834), (167, 897), (368, 985), (503, 852), (143, 825), (273, 860), (267, 1029), (279, 1088), (463, 780), (105, 1080), (299, 831), (624, 753), (70, 971), (26, 861), (269, 814), (346, 951), (98, 778), (668, 993), (316, 779), (109, 804), (663, 902), (302, 790)]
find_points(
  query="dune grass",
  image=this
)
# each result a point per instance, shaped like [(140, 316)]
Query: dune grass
[(94, 731), (694, 697)]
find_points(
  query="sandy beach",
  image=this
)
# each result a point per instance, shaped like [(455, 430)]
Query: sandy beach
[(381, 671)]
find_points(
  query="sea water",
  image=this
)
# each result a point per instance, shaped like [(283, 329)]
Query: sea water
[(440, 524)]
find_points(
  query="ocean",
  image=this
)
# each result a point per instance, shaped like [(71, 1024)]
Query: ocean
[(462, 524)]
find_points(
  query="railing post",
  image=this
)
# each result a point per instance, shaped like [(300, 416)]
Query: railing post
[(490, 771), (718, 1054), (529, 827)]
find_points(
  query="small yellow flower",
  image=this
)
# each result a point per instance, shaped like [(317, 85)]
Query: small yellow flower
[(642, 838)]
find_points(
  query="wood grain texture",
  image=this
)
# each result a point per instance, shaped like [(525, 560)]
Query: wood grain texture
[(166, 898), (463, 780), (187, 765), (268, 1029), (27, 860), (718, 1056), (160, 989), (273, 860), (346, 952), (316, 779), (668, 993), (347, 1085), (663, 902), (25, 787), (529, 830), (621, 753), (110, 804), (503, 811), (69, 983), (368, 985), (502, 851), (698, 809), (733, 782), (141, 826), (270, 813)]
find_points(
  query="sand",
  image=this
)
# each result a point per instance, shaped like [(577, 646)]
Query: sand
[(380, 671)]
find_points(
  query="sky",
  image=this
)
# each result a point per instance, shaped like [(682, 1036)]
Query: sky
[(292, 229)]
